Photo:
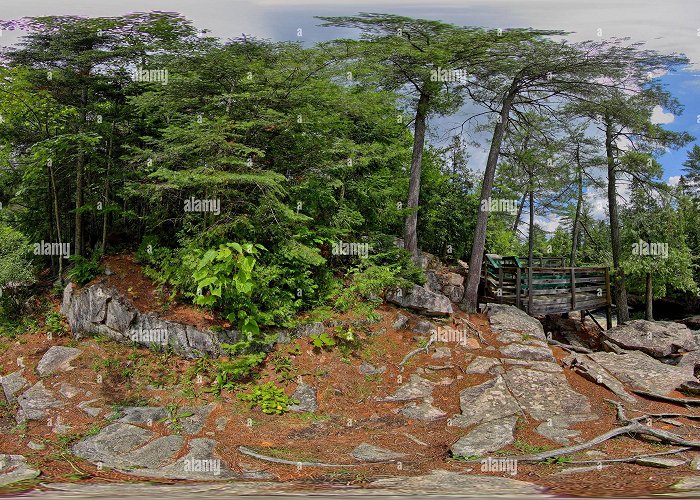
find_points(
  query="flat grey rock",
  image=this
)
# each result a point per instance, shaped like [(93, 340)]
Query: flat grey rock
[(442, 352), (528, 352), (113, 445), (691, 483), (57, 358), (482, 365), (157, 453), (308, 329), (416, 388), (92, 411), (485, 438), (543, 366), (36, 446), (510, 318), (655, 338), (12, 384), (641, 371), (143, 415), (488, 401), (454, 483), (546, 395), (195, 423), (68, 391), (368, 369), (557, 431), (369, 453), (306, 395), (593, 371), (660, 462), (36, 401), (14, 468), (425, 327), (422, 411)]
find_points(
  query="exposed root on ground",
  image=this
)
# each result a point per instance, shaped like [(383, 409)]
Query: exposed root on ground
[(668, 399), (416, 351), (298, 463)]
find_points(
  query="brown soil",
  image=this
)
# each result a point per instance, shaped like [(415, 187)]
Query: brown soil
[(348, 414)]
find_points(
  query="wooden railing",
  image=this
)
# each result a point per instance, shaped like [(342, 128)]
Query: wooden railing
[(540, 290)]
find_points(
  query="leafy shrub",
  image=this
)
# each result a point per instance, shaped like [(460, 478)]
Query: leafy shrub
[(54, 323), (84, 270), (322, 341), (271, 399), (15, 272)]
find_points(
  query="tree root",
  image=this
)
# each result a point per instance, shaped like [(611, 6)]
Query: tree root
[(569, 347), (265, 458), (628, 459), (668, 399), (416, 351)]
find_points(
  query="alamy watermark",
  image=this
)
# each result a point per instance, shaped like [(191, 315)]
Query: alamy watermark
[(509, 465), (150, 75), (150, 336), (446, 334), (212, 465), (345, 248), (655, 249), (448, 75), (499, 205), (196, 205), (57, 249)]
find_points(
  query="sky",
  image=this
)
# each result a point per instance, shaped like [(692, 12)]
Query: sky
[(664, 25)]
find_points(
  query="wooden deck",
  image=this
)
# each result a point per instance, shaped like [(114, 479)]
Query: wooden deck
[(546, 287)]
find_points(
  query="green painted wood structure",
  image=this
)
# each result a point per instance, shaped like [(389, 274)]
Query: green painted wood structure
[(548, 286)]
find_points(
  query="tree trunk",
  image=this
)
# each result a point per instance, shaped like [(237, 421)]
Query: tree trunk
[(531, 229), (57, 219), (79, 181), (516, 223), (620, 290), (410, 229), (649, 315), (575, 230), (471, 292)]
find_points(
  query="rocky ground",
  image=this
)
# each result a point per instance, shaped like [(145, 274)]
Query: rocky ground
[(430, 401)]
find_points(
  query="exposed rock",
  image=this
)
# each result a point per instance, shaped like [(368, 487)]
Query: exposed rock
[(308, 329), (556, 430), (445, 283), (85, 406), (12, 384), (415, 388), (36, 402), (420, 299), (103, 310), (306, 395), (485, 438), (424, 327), (528, 352), (55, 359), (369, 453), (690, 387), (195, 423), (546, 395), (36, 446), (656, 338), (691, 483), (482, 365), (14, 468), (589, 369), (368, 369), (695, 463), (643, 372), (221, 423), (454, 483), (660, 462), (68, 391), (510, 318), (488, 401), (442, 352), (543, 366), (157, 453), (692, 322), (143, 415), (113, 445), (423, 411), (401, 322)]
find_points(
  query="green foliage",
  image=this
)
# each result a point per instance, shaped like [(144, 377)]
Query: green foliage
[(323, 341), (54, 323), (271, 399), (84, 270)]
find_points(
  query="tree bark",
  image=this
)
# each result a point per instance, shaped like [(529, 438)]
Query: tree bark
[(620, 290), (79, 181), (579, 203), (516, 223), (649, 314), (411, 225), (531, 229), (57, 218), (471, 292)]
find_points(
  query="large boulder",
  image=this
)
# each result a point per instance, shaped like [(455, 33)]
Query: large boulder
[(655, 338), (446, 283), (100, 309), (505, 318), (420, 299)]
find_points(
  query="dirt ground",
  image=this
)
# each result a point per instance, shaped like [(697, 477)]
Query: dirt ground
[(348, 414)]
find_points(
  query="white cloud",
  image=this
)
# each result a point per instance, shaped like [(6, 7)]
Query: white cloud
[(659, 117), (673, 180)]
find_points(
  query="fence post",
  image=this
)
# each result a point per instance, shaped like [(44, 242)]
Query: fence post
[(573, 289), (529, 289), (517, 287), (500, 285)]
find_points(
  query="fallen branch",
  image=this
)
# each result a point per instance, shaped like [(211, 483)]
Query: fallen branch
[(628, 459), (416, 351), (569, 347), (668, 399), (251, 453)]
